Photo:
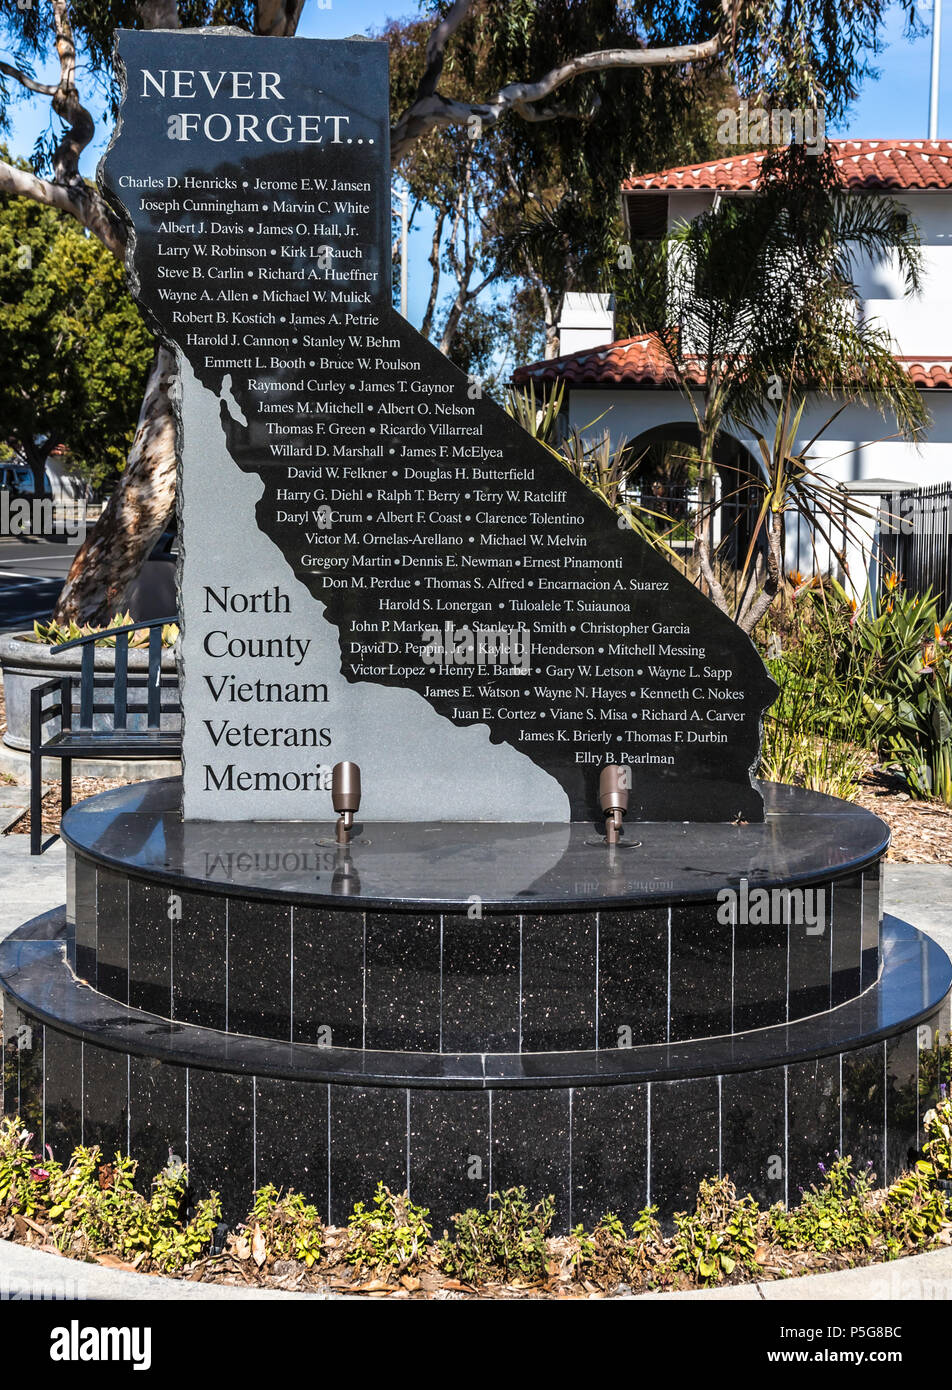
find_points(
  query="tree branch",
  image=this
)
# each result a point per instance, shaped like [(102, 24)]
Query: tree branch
[(159, 14), (436, 46), (25, 80), (84, 205), (66, 103), (277, 19), (430, 111)]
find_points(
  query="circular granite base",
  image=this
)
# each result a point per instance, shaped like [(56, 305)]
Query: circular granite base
[(462, 1008)]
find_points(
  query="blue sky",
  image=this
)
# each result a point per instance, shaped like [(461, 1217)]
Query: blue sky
[(895, 106)]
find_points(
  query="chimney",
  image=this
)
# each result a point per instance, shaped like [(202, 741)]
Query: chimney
[(586, 321)]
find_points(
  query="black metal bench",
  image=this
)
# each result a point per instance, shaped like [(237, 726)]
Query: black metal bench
[(92, 728)]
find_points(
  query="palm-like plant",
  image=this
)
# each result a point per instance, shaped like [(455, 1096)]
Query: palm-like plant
[(760, 293), (785, 483)]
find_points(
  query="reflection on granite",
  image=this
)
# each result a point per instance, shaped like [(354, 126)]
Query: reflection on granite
[(805, 837)]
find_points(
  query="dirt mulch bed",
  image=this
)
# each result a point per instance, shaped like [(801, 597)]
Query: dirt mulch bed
[(921, 830), (83, 787), (238, 1267)]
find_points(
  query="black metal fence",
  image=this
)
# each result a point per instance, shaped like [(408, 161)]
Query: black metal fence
[(916, 540)]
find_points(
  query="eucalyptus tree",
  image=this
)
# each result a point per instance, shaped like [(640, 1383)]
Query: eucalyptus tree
[(558, 63)]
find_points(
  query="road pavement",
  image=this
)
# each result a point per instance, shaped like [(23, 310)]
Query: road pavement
[(32, 571)]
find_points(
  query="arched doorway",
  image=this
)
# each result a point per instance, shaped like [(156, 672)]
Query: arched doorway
[(663, 471)]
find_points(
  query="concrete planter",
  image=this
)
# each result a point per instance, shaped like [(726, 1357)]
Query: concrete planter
[(26, 664)]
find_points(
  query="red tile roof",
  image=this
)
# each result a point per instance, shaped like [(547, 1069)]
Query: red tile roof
[(642, 361), (871, 164), (929, 373)]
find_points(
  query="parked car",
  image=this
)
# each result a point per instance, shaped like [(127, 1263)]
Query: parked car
[(16, 479)]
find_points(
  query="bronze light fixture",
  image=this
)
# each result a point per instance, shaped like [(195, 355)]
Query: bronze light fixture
[(613, 798), (345, 798)]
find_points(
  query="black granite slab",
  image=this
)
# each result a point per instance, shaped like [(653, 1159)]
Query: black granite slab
[(754, 1108), (35, 975), (451, 1156), (680, 1109), (609, 1152), (814, 1130), (806, 839)]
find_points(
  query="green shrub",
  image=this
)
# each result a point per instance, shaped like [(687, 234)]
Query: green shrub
[(94, 1206), (393, 1236), (838, 1214), (910, 697), (506, 1242), (719, 1236), (288, 1226), (610, 1254), (913, 1212)]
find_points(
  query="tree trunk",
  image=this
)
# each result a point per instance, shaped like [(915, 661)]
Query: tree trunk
[(704, 525), (35, 456), (138, 511), (426, 328)]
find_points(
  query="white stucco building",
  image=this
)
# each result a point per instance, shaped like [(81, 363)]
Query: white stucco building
[(626, 386)]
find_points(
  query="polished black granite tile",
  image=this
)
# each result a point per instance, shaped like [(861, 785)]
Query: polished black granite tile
[(872, 922), (221, 1139), (259, 969), (847, 938), (449, 1153), (62, 1093), (291, 1148), (70, 938), (902, 1103), (199, 956), (328, 984), (917, 978), (933, 1065), (609, 1152), (813, 1121), (805, 839), (10, 1072), (402, 1006), (632, 977), (112, 940), (864, 1108), (30, 1043), (753, 1133), (158, 1116), (684, 1124), (810, 946), (106, 1100), (150, 947), (81, 883), (760, 974), (530, 1146), (369, 1130), (558, 982), (701, 970), (480, 1004)]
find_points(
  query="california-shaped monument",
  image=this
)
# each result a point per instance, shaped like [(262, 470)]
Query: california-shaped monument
[(352, 507)]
